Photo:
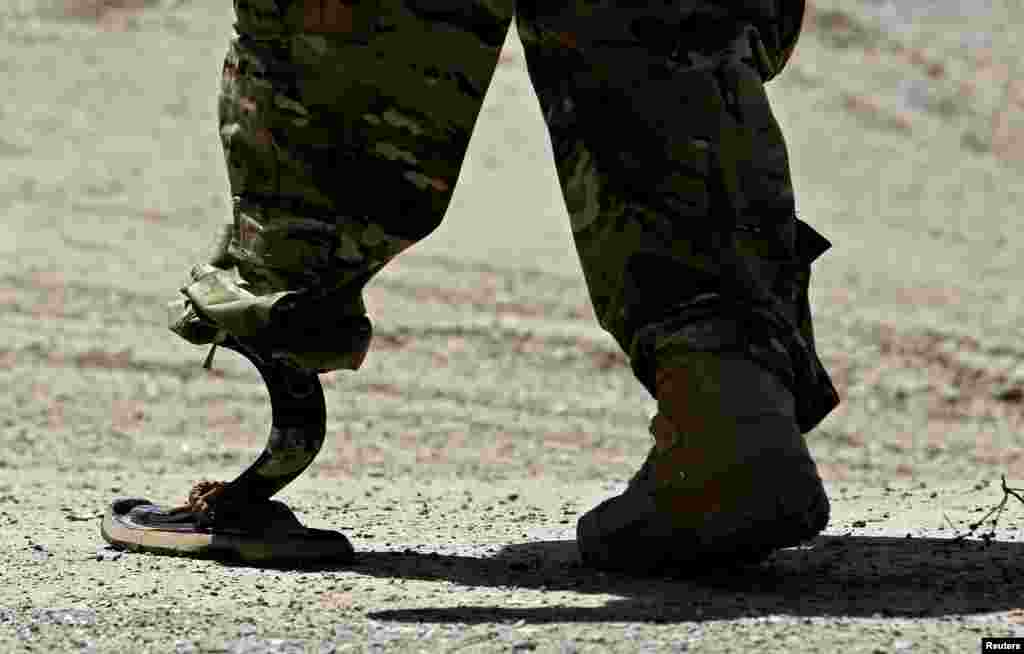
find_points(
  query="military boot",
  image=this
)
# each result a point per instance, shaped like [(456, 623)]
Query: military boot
[(728, 480)]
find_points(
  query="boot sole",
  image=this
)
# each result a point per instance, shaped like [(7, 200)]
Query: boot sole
[(296, 546), (644, 542)]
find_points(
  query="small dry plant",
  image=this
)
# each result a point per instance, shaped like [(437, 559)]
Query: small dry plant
[(994, 513)]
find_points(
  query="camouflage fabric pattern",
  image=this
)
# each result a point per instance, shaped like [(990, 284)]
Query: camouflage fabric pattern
[(345, 124)]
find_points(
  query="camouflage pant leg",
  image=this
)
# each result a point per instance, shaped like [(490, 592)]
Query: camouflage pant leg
[(344, 127), (676, 177), (349, 121)]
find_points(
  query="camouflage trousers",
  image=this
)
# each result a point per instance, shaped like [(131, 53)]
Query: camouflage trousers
[(345, 124)]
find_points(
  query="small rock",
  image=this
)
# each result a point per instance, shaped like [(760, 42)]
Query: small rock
[(108, 553), (378, 634), (343, 634), (82, 517), (902, 645), (40, 552), (68, 617), (917, 94), (281, 646), (245, 646), (184, 647), (425, 632), (252, 645), (246, 629)]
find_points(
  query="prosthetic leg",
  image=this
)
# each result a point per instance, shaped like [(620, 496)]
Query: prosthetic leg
[(238, 520)]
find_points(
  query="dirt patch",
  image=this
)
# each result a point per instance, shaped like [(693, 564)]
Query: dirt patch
[(108, 15), (956, 387), (100, 10), (973, 390)]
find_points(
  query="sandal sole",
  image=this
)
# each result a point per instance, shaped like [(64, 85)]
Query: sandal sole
[(302, 545)]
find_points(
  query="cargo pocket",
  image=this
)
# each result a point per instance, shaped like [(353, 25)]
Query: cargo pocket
[(816, 395)]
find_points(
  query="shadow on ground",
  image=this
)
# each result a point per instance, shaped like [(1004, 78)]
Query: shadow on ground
[(852, 576)]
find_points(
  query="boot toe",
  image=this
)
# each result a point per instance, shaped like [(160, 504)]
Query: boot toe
[(627, 534)]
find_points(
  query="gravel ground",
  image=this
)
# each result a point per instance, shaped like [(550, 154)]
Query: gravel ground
[(492, 410)]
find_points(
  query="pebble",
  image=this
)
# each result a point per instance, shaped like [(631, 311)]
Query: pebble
[(424, 632), (108, 553), (246, 629), (343, 633), (69, 617), (251, 645), (82, 517), (40, 552)]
